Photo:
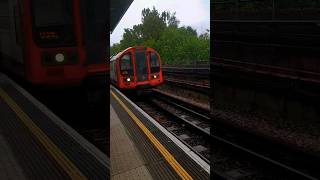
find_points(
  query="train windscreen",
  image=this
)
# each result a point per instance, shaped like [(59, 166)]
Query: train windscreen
[(53, 22), (126, 66), (141, 66)]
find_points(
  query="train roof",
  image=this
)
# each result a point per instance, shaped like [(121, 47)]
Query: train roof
[(112, 58)]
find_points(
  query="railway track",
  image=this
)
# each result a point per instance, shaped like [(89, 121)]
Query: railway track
[(277, 153), (275, 71), (191, 85), (231, 157), (197, 107), (202, 72), (98, 137), (187, 125), (267, 152), (192, 78)]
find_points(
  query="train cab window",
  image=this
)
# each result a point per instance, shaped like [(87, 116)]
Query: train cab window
[(126, 66), (51, 13), (154, 63), (53, 22)]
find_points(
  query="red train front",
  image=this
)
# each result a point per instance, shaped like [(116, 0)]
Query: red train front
[(55, 42), (136, 68)]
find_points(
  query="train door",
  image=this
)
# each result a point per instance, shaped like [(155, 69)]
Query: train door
[(141, 65)]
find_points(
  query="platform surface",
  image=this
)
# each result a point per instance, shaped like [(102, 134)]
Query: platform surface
[(36, 144), (133, 154), (126, 161)]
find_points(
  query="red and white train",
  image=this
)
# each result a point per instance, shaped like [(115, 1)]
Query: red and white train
[(54, 42), (136, 68)]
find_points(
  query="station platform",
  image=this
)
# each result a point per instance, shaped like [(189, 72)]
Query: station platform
[(36, 144), (142, 149)]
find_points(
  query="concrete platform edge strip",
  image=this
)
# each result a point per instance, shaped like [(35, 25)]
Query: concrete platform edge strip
[(182, 146), (164, 152), (102, 158), (45, 141)]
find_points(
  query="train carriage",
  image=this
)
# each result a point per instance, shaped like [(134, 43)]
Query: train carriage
[(136, 68)]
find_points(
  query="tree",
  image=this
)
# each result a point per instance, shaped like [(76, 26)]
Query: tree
[(116, 48), (170, 19), (152, 24), (132, 36), (161, 31)]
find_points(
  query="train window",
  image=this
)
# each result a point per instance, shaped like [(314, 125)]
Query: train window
[(53, 23), (113, 71), (154, 63), (126, 65), (52, 13)]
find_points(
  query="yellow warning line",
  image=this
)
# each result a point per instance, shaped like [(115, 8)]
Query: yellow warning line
[(53, 150), (164, 152)]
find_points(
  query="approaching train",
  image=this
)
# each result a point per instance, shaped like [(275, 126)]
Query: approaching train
[(54, 42), (136, 68)]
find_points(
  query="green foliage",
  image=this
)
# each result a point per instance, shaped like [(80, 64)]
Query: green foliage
[(115, 49), (152, 24), (161, 31)]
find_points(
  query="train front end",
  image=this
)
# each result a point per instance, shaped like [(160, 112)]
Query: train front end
[(140, 68), (54, 51)]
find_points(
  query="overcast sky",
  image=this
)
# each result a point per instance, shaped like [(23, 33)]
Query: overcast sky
[(194, 13)]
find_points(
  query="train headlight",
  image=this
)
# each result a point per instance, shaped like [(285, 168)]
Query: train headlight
[(59, 57), (154, 76), (128, 79)]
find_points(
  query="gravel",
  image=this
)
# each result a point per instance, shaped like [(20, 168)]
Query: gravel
[(263, 127)]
